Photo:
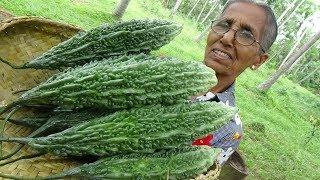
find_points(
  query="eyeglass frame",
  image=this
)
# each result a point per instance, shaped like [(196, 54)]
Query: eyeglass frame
[(254, 39)]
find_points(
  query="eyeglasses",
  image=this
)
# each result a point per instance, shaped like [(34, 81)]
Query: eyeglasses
[(242, 36)]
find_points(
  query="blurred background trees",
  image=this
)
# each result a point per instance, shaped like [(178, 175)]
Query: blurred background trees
[(121, 8)]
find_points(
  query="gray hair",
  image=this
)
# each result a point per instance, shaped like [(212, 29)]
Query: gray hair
[(270, 31)]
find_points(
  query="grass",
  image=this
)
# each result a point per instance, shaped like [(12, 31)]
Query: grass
[(276, 123)]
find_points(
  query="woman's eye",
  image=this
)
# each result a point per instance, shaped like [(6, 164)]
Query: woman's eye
[(246, 33), (223, 24)]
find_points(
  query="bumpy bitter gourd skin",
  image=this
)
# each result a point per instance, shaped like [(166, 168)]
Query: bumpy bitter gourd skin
[(31, 122), (58, 121), (137, 81), (64, 120), (105, 41), (144, 129), (180, 163)]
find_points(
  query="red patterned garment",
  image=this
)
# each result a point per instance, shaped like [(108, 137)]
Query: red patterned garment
[(229, 136)]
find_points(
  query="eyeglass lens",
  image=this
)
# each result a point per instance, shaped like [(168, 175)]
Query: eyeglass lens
[(243, 36)]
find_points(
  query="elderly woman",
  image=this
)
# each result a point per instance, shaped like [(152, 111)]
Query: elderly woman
[(239, 39)]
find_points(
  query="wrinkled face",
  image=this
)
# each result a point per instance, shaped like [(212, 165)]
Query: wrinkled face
[(227, 56)]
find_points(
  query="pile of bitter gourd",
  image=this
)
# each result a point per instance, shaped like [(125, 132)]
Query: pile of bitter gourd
[(115, 102)]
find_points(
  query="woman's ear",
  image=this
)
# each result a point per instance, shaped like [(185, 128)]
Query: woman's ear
[(259, 61)]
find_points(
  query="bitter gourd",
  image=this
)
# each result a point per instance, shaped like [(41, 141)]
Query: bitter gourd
[(55, 123), (58, 121), (30, 122), (180, 163), (134, 36), (144, 129), (139, 80)]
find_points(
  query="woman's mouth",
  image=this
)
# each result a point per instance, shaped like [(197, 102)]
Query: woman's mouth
[(221, 55)]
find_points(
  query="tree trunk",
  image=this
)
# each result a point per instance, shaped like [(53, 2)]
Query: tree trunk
[(293, 48), (292, 13), (193, 8), (269, 82), (204, 6), (203, 33), (121, 8), (299, 65), (294, 64), (214, 5), (176, 6), (309, 75)]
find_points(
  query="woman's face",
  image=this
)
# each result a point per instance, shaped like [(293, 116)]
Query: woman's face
[(227, 56)]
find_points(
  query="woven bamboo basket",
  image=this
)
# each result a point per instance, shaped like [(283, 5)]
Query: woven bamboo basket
[(4, 15), (22, 39)]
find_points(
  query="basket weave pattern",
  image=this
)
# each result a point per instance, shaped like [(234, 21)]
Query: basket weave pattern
[(22, 39)]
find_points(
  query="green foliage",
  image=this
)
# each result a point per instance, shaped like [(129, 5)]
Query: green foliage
[(315, 121), (309, 63), (287, 39), (283, 112), (257, 126), (314, 132), (69, 11)]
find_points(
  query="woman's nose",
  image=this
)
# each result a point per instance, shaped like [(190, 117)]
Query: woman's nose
[(228, 38)]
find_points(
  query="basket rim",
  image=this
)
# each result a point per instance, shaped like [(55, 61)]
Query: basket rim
[(13, 21), (4, 14)]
